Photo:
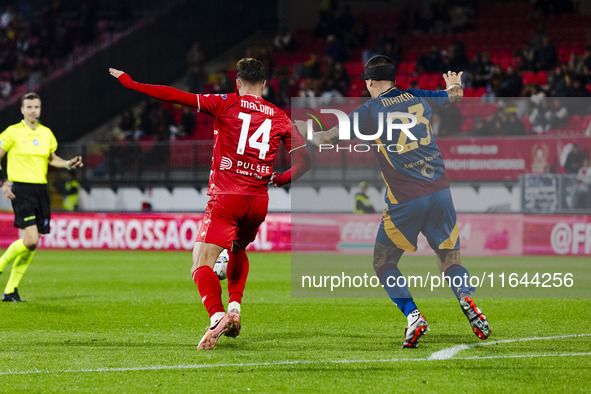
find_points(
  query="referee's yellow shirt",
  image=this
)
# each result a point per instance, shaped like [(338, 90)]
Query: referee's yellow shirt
[(28, 152)]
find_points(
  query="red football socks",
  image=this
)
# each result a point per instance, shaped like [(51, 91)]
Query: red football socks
[(209, 288), (237, 272)]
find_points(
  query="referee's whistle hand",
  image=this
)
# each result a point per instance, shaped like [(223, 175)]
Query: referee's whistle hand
[(7, 190), (76, 162)]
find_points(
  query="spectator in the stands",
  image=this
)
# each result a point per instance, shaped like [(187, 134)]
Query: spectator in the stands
[(126, 124), (539, 118), (306, 88), (480, 127), (358, 36), (312, 67), (326, 24), (481, 69), (457, 57), (22, 70), (495, 82), (525, 57), (430, 62), (451, 120), (576, 87), (188, 119), (7, 16), (545, 57), (269, 94), (345, 21), (582, 188), (511, 84), (496, 124), (581, 65), (195, 69), (335, 49), (386, 44), (5, 85), (574, 159), (284, 41), (341, 78), (558, 81), (329, 90), (549, 114), (284, 87), (513, 125)]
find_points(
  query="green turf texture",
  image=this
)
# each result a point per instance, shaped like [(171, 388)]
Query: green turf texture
[(89, 313)]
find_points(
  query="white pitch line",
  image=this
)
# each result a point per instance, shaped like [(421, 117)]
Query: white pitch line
[(278, 363), (449, 352)]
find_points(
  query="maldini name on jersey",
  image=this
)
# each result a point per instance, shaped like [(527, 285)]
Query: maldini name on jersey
[(248, 132)]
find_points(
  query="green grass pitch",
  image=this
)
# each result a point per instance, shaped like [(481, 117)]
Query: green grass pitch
[(130, 322)]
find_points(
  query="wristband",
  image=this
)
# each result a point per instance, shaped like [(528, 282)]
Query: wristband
[(68, 165), (454, 85)]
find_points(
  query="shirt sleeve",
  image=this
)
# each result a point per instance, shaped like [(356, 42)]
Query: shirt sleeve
[(6, 140), (214, 104), (428, 93), (52, 143)]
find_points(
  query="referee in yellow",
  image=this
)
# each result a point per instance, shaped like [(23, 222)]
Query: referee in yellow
[(30, 147)]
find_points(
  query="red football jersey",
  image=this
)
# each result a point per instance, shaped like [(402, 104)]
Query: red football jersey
[(247, 133)]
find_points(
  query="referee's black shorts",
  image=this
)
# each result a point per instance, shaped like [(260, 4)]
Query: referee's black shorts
[(31, 206)]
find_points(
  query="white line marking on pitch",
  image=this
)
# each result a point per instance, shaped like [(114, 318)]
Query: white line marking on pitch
[(278, 363), (449, 352)]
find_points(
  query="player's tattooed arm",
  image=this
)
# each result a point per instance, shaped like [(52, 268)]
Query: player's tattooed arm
[(320, 137), (453, 84), (383, 255)]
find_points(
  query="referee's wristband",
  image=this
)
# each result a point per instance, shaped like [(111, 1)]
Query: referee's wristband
[(68, 165)]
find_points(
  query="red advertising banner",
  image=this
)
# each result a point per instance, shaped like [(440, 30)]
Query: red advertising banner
[(566, 235), (506, 158), (145, 231), (480, 234)]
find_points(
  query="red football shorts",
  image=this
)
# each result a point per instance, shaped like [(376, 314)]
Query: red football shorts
[(232, 217)]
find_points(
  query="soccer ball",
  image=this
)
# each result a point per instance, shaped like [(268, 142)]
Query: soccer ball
[(221, 265)]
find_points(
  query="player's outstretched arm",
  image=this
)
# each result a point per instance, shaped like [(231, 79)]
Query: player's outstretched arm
[(58, 162), (319, 137), (160, 92), (453, 86), (301, 164)]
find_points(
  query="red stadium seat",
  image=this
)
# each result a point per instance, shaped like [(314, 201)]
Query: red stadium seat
[(469, 92), (542, 78), (529, 78)]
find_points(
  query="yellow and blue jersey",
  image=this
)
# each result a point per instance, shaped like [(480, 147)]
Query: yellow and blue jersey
[(28, 152), (410, 169)]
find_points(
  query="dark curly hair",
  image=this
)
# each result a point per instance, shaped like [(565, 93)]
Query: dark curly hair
[(250, 70)]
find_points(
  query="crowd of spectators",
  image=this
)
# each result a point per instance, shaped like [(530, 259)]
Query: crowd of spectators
[(34, 42), (343, 40)]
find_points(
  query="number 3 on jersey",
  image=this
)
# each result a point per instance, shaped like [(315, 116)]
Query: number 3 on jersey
[(259, 140)]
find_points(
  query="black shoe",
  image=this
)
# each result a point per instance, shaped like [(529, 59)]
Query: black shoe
[(11, 297)]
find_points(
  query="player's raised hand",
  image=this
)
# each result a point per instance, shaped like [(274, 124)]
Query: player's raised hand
[(116, 73), (451, 78)]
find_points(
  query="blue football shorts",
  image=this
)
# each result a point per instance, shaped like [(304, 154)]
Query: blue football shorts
[(433, 215)]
